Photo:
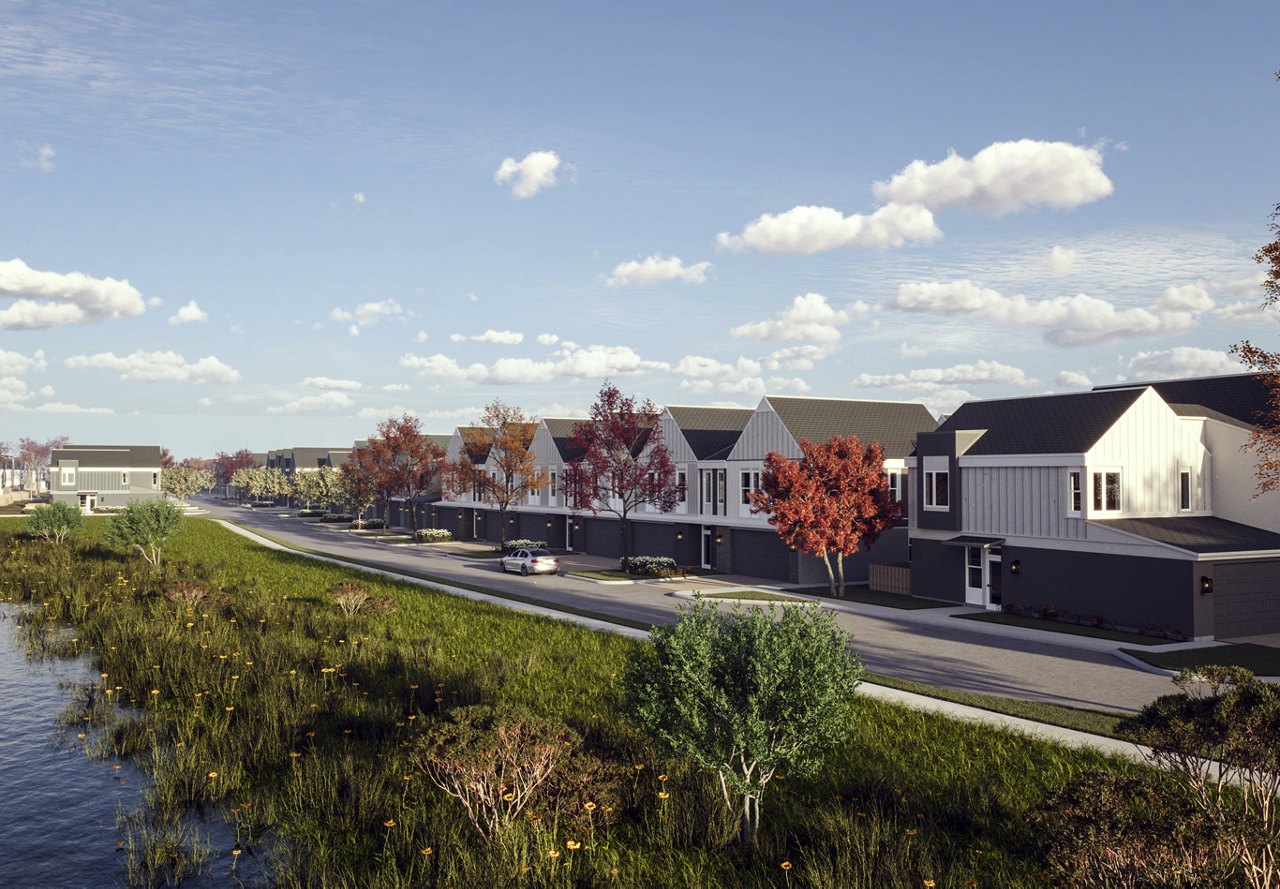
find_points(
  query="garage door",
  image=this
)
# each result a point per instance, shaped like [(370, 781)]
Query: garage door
[(1246, 598)]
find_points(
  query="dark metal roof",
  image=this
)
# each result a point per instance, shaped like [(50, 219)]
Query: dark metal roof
[(711, 431), (1198, 534), (109, 456), (1045, 424), (973, 540), (1242, 396), (1199, 410), (561, 430), (895, 424)]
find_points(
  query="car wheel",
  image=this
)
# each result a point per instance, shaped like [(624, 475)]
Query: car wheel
[(524, 570)]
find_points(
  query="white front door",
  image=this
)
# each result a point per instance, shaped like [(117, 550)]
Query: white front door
[(975, 581)]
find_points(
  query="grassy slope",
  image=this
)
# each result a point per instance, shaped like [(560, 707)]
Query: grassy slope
[(322, 706), (1262, 660)]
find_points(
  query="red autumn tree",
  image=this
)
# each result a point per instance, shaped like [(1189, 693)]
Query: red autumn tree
[(402, 462), (34, 457), (1264, 440), (831, 501), (624, 464), (166, 459), (226, 465), (500, 443)]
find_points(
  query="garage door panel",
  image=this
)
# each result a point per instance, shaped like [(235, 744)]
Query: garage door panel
[(1246, 598)]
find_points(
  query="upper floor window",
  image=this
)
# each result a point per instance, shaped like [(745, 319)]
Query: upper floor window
[(553, 487), (937, 490), (682, 485), (1075, 492), (155, 479), (68, 476), (750, 482), (1184, 489), (124, 478), (1106, 491)]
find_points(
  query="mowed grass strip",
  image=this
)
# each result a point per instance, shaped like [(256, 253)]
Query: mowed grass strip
[(296, 723), (1261, 660), (871, 597), (1054, 626)]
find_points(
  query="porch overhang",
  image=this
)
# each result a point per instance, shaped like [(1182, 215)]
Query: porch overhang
[(974, 540)]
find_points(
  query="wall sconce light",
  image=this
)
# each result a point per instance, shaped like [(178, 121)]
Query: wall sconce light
[(577, 527), (793, 547), (1015, 567), (459, 516), (511, 520), (719, 539), (679, 536), (1206, 585), (548, 523)]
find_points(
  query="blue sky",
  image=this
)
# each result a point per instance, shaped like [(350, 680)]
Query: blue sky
[(259, 225)]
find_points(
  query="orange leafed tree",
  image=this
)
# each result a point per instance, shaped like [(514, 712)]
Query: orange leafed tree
[(831, 501), (500, 443)]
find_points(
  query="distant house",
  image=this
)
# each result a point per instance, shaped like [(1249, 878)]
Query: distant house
[(93, 476), (1128, 505)]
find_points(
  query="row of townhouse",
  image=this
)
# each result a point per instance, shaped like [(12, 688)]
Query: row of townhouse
[(104, 476), (719, 455)]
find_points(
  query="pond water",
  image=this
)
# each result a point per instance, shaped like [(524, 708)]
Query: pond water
[(57, 807)]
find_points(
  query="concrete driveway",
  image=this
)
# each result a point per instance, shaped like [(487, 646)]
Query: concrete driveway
[(928, 646)]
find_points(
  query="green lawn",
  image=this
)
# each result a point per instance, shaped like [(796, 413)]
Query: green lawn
[(383, 534), (1054, 626), (607, 574), (865, 596), (1262, 660), (751, 596), (266, 706)]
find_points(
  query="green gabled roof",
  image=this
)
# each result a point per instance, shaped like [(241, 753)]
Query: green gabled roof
[(711, 432), (561, 430), (894, 424), (440, 441)]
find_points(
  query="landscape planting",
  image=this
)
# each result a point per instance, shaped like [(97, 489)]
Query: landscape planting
[(286, 723)]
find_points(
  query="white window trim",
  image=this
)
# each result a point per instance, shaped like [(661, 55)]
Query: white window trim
[(1104, 471), (1191, 489), (68, 476), (931, 477), (1080, 479)]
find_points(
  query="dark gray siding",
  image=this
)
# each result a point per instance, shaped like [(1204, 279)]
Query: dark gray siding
[(937, 571), (456, 519), (759, 554)]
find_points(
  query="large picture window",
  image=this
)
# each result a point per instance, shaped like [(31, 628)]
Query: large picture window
[(937, 492), (1106, 491)]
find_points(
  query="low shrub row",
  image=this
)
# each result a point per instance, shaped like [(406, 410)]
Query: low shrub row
[(650, 566), (334, 518), (434, 535), (522, 543), (311, 513)]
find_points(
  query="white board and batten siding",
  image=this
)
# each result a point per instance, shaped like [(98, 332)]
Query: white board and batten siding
[(765, 432), (674, 439), (1023, 501), (1150, 444), (1234, 485)]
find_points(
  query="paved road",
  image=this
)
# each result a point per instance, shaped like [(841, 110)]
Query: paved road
[(927, 646)]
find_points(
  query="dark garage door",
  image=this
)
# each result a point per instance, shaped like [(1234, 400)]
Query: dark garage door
[(1246, 598)]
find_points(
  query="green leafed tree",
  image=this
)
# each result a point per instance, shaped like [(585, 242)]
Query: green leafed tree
[(55, 521), (746, 694), (182, 482), (145, 526)]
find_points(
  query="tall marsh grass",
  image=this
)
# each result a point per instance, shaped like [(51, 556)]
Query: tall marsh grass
[(263, 710)]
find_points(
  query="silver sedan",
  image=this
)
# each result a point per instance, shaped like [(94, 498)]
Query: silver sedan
[(531, 561)]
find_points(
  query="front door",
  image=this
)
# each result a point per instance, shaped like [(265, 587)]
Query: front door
[(974, 582), (708, 548), (568, 533), (88, 503)]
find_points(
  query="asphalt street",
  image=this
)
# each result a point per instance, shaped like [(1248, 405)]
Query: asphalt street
[(929, 646)]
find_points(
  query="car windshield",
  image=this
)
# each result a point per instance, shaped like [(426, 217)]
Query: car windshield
[(539, 552)]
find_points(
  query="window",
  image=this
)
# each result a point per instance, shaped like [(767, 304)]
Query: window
[(720, 485), (68, 476), (155, 479), (750, 482), (1106, 491), (1184, 489), (973, 567), (1075, 493), (553, 486), (895, 486), (936, 490), (682, 484), (124, 479)]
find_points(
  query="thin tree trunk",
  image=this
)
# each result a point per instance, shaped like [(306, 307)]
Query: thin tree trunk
[(840, 571), (831, 577)]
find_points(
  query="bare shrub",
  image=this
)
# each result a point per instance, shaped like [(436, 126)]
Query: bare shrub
[(187, 592), (379, 606), (350, 595)]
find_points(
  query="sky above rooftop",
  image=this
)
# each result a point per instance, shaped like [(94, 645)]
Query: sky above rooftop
[(233, 224)]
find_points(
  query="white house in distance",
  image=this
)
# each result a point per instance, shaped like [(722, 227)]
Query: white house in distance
[(93, 476)]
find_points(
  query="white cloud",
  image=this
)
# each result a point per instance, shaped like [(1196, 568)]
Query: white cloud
[(1187, 298), (329, 383), (655, 268), (797, 357), (159, 367), (809, 318), (421, 336), (57, 407), (1067, 320), (1248, 286), (43, 159), (501, 337), (810, 229), (13, 392), (571, 361), (1062, 260), (548, 339), (1003, 178), (47, 391), (366, 314), (945, 401), (980, 372), (529, 176), (205, 402), (906, 350), (325, 401), (358, 197), (1247, 310), (1072, 380), (189, 313), (13, 363), (381, 413), (1182, 361), (396, 387), (47, 299)]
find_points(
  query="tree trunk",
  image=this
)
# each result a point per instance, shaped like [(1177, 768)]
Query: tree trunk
[(502, 528), (413, 516), (831, 576), (623, 527), (840, 571)]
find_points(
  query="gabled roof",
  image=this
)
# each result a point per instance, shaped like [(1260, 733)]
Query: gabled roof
[(310, 458), (1242, 396), (478, 451), (109, 456), (895, 424), (1199, 534), (711, 432), (440, 441), (561, 430), (1043, 424), (1199, 410)]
